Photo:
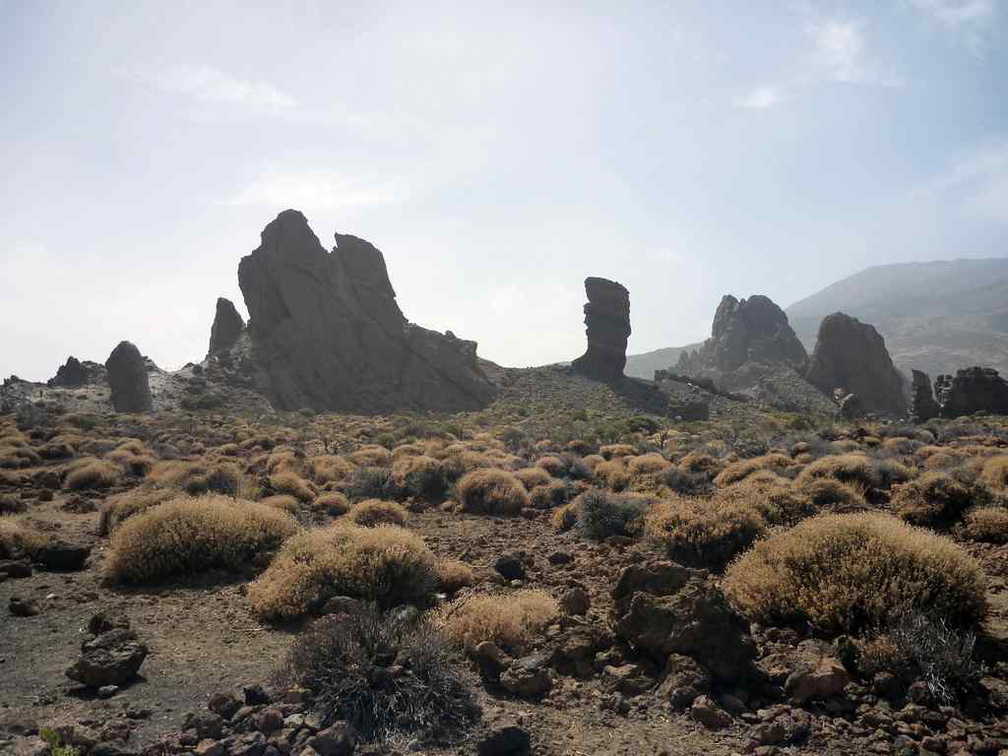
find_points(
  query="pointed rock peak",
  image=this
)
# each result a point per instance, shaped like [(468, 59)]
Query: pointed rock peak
[(289, 233), (227, 326)]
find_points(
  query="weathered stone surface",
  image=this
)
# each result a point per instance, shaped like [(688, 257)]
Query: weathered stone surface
[(527, 677), (817, 681), (974, 389), (60, 556), (227, 326), (127, 377), (852, 355), (112, 658), (923, 406), (707, 713), (753, 330), (663, 609), (74, 373), (327, 333), (607, 317)]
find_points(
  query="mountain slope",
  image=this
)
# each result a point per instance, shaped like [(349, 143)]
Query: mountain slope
[(934, 316), (644, 365)]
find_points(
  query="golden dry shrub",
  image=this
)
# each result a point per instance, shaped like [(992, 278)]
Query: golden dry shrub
[(987, 524), (564, 518), (843, 446), (703, 532), (371, 513), (935, 499), (849, 468), (900, 446), (191, 535), (944, 459), (737, 471), (420, 476), (775, 498), (388, 565), (414, 449), (198, 477), (613, 473), (92, 473), (832, 495), (647, 464), (331, 468), (15, 453), (17, 538), (284, 459), (282, 502), (454, 575), (592, 461), (549, 495), (614, 451), (122, 506), (512, 621), (292, 484), (551, 464), (457, 460), (491, 491), (332, 503), (891, 472), (850, 573), (995, 473), (371, 455), (133, 457), (699, 463), (533, 476)]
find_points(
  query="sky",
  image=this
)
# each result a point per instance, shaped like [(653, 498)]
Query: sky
[(497, 154)]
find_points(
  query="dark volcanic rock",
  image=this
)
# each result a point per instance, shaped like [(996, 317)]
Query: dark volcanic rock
[(127, 377), (327, 333), (75, 373), (752, 330), (607, 317), (227, 326), (112, 658), (974, 389), (923, 406), (852, 355)]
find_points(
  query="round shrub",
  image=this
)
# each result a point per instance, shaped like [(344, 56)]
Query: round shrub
[(550, 495), (292, 484), (386, 564), (702, 533), (987, 524), (995, 473), (552, 464), (935, 499), (602, 514), (738, 471), (832, 495), (190, 535), (647, 464), (420, 476), (850, 573), (384, 674), (510, 620), (372, 483), (564, 518), (373, 512), (122, 506), (848, 468), (331, 503), (329, 468), (533, 476), (92, 473), (283, 502), (454, 575), (774, 498), (491, 491), (371, 456)]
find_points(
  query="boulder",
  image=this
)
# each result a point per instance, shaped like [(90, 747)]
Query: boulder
[(227, 327), (326, 331), (112, 658), (127, 377), (974, 389), (852, 355), (74, 374), (509, 740), (662, 608), (60, 556), (923, 406), (707, 713), (527, 677), (607, 317)]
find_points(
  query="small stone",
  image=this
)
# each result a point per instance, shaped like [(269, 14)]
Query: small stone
[(560, 557), (527, 678), (255, 695), (24, 607), (575, 601), (107, 619), (491, 660), (107, 691), (824, 681), (332, 741), (510, 567), (224, 704), (209, 748), (708, 714), (268, 720), (206, 724)]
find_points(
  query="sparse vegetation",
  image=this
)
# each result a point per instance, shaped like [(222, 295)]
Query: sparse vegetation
[(511, 620), (491, 491)]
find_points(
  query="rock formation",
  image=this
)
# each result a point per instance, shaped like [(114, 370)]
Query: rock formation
[(852, 355), (127, 377), (607, 317), (227, 327), (75, 373), (923, 406), (973, 389), (752, 330), (327, 333)]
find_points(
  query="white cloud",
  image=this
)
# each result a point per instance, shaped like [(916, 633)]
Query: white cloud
[(977, 179), (319, 189), (840, 53), (760, 98), (971, 21), (209, 84)]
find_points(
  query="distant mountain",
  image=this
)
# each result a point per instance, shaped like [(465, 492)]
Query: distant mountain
[(643, 365), (934, 316)]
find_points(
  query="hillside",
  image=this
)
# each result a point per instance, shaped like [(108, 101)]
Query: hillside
[(644, 365), (935, 316)]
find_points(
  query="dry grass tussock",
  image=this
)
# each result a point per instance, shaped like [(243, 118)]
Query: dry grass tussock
[(776, 499), (292, 484), (200, 477), (737, 471), (510, 620), (703, 533), (373, 512), (331, 503), (283, 502), (987, 524), (421, 476), (613, 451), (832, 495), (995, 473), (454, 575), (189, 535), (386, 564), (329, 468), (371, 456), (120, 507), (92, 473), (17, 538), (847, 468), (491, 491), (935, 499), (533, 476), (855, 572)]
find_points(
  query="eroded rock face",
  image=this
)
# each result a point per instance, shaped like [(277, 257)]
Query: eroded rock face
[(75, 373), (752, 330), (923, 406), (607, 317), (127, 377), (973, 389), (852, 355), (227, 326), (327, 333)]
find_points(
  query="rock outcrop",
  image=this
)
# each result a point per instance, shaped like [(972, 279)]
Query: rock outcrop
[(327, 333), (973, 389), (607, 317), (75, 373), (752, 330), (127, 377), (227, 327), (852, 355), (923, 406)]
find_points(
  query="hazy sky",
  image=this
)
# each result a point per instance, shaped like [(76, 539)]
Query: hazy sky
[(496, 153)]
